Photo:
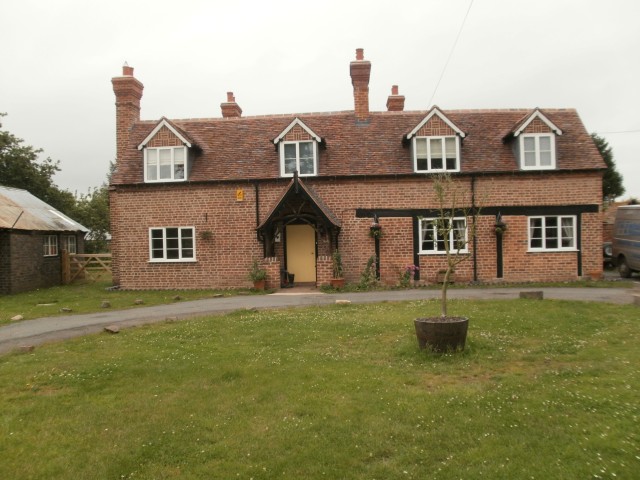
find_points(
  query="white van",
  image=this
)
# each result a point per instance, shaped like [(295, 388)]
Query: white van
[(626, 240)]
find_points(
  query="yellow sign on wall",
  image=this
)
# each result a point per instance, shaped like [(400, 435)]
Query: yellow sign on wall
[(239, 195)]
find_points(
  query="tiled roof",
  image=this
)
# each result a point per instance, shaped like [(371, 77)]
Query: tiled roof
[(242, 148)]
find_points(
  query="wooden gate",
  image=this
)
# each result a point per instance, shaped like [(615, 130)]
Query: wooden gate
[(85, 266)]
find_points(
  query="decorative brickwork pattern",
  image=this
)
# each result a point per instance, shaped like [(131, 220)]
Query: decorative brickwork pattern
[(164, 138), (537, 126), (297, 133), (435, 127)]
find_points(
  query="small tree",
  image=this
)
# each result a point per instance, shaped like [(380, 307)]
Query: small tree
[(451, 204), (612, 185)]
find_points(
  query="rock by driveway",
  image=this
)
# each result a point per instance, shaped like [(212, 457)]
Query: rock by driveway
[(34, 332)]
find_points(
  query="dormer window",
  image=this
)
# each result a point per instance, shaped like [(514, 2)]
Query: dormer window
[(165, 164), (536, 142), (435, 144), (436, 154), (298, 156), (538, 151), (167, 155), (298, 147)]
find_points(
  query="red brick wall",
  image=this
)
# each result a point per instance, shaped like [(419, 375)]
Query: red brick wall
[(23, 266), (224, 260)]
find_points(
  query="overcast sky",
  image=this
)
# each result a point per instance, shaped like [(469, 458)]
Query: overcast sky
[(58, 58)]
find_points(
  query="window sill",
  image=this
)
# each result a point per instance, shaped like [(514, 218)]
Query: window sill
[(556, 250), (461, 252), (166, 180), (189, 260)]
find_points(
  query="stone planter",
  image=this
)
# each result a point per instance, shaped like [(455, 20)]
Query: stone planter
[(259, 284), (441, 334)]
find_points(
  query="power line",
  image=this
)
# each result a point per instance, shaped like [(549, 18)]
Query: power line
[(621, 131), (451, 53)]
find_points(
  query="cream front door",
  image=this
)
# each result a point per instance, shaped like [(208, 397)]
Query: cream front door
[(301, 252)]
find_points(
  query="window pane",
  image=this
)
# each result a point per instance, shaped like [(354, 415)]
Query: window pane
[(530, 159), (567, 232), (178, 163), (421, 147), (428, 234), (545, 159), (306, 158), (165, 164), (152, 164), (157, 233), (289, 158), (551, 232), (545, 144), (436, 163), (436, 148), (178, 155), (535, 232), (529, 144), (452, 164), (459, 231), (450, 146)]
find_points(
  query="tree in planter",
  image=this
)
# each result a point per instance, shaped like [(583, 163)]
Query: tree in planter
[(450, 229), (337, 281), (257, 275)]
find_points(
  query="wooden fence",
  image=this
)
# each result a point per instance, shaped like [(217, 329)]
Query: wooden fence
[(85, 266)]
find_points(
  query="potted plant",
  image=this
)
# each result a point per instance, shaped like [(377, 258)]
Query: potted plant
[(257, 275), (337, 281), (445, 332)]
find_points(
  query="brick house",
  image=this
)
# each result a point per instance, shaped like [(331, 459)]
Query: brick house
[(194, 201), (32, 236)]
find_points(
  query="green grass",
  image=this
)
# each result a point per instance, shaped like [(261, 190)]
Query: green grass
[(544, 390), (87, 298)]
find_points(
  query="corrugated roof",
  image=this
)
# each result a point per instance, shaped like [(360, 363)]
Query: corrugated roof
[(19, 210)]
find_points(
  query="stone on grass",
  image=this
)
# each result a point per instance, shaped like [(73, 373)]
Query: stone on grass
[(26, 348), (105, 304), (343, 302), (65, 310), (112, 329), (139, 301), (17, 318)]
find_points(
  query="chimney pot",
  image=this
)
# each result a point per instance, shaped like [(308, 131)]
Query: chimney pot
[(230, 97), (359, 53), (394, 90), (127, 71)]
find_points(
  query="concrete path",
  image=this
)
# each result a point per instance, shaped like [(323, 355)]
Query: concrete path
[(48, 329)]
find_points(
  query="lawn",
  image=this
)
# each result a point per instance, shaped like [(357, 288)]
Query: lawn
[(545, 389), (88, 297)]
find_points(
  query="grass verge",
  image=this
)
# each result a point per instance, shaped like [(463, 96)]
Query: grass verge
[(88, 297), (543, 390)]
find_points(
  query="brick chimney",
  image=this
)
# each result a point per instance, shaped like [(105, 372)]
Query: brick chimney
[(360, 71), (395, 102), (128, 92), (230, 109)]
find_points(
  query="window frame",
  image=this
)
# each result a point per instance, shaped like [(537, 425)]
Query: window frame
[(66, 243), (50, 248), (297, 143), (436, 251), (537, 151), (429, 159), (559, 237), (181, 247), (173, 178)]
